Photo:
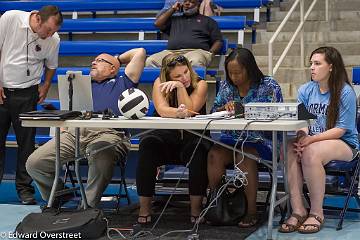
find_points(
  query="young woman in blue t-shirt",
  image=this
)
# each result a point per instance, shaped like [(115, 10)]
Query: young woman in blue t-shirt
[(332, 136)]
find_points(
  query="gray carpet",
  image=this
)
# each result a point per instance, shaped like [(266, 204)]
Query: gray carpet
[(176, 217)]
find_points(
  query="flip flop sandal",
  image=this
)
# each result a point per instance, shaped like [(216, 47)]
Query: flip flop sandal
[(292, 227), (194, 219), (146, 220), (248, 221)]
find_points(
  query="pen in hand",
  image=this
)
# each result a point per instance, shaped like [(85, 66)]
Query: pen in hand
[(193, 112)]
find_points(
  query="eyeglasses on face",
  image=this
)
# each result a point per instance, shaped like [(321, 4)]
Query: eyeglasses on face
[(100, 60), (179, 59)]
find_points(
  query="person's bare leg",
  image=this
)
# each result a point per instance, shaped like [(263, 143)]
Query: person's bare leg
[(195, 206), (218, 159), (145, 209), (250, 166), (315, 156), (295, 183)]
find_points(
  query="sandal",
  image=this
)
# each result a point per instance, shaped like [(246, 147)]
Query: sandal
[(291, 227), (146, 220), (248, 221), (316, 227), (194, 219)]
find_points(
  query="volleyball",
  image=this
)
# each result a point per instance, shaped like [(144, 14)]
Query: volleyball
[(133, 103)]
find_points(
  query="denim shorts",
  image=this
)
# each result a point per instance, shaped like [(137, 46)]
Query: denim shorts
[(355, 152)]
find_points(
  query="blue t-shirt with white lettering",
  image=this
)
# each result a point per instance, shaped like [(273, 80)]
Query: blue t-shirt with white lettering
[(105, 94), (317, 103)]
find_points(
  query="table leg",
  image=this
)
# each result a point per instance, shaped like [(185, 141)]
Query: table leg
[(57, 167), (274, 185), (285, 178), (77, 168)]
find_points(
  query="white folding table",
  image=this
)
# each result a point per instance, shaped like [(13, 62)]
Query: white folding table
[(277, 126)]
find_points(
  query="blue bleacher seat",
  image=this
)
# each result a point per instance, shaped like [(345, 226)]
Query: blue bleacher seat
[(356, 75), (121, 5), (137, 24), (94, 48), (226, 23), (39, 139), (80, 6), (241, 4), (148, 76)]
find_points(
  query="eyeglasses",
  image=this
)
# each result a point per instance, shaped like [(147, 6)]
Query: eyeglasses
[(178, 59), (100, 60)]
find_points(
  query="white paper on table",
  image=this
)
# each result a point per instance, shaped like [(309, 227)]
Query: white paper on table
[(214, 115)]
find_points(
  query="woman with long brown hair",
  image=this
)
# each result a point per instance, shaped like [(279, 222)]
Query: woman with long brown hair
[(177, 93), (332, 136)]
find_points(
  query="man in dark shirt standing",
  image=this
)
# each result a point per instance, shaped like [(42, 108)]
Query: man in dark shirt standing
[(196, 36)]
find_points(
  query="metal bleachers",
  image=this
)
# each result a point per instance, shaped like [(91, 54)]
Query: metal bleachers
[(235, 24), (118, 5), (93, 48)]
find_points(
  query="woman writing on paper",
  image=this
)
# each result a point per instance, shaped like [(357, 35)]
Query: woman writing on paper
[(177, 90), (244, 83), (332, 136)]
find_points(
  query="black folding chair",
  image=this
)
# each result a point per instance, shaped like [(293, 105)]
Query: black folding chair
[(349, 187), (122, 182)]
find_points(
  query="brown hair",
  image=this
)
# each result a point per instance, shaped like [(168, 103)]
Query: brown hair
[(48, 11), (338, 78), (169, 63)]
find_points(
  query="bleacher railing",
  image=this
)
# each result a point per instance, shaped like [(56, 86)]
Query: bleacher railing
[(299, 29)]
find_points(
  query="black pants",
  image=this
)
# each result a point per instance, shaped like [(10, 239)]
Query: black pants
[(169, 147), (18, 101)]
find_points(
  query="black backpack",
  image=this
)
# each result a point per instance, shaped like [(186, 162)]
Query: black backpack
[(65, 224), (229, 208)]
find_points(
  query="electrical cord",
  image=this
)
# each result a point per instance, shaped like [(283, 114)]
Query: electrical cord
[(203, 213), (141, 233), (239, 177), (90, 153), (109, 230)]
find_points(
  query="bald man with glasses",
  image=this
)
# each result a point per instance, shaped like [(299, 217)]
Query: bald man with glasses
[(106, 88)]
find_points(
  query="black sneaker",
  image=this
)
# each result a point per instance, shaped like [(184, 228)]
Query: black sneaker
[(27, 199), (59, 201)]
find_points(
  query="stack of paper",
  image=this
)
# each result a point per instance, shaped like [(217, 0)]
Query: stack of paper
[(215, 115)]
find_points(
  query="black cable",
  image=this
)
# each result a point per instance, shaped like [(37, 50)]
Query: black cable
[(142, 233), (224, 186), (70, 79), (27, 51), (203, 213)]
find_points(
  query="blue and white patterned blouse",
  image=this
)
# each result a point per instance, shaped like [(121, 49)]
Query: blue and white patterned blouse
[(267, 91)]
